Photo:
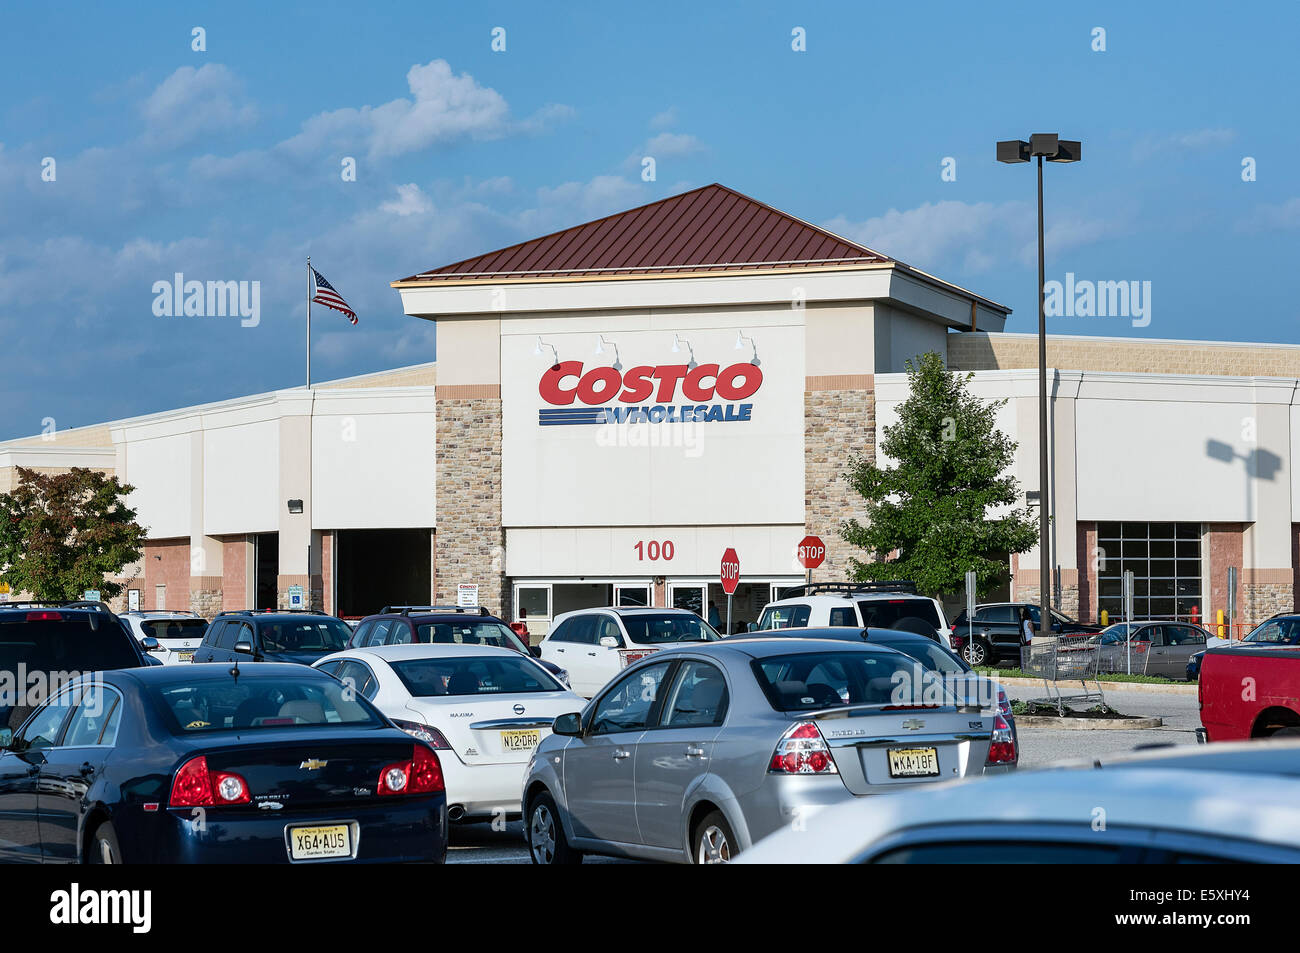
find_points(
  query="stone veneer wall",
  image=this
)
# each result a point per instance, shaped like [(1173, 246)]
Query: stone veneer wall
[(839, 420), (984, 351), (1259, 600), (206, 595), (313, 590), (470, 539)]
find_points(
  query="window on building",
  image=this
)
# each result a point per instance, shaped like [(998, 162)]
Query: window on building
[(1165, 559)]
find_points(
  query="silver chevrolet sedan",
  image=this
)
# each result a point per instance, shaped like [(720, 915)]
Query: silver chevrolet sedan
[(695, 753)]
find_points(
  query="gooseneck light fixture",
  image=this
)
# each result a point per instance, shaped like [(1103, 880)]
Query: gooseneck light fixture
[(678, 341), (741, 338), (601, 344)]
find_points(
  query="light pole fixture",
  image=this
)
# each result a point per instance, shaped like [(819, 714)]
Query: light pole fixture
[(1042, 145), (555, 355), (601, 344), (678, 341), (741, 338), (295, 506)]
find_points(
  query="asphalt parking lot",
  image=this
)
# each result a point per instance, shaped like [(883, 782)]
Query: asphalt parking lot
[(480, 844)]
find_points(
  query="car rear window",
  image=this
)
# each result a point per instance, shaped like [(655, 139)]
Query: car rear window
[(653, 629), (174, 628), (318, 635), (426, 678), (254, 702), (68, 644), (888, 613), (813, 680), (464, 632), (784, 617)]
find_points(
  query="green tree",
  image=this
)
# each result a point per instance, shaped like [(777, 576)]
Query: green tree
[(64, 533), (927, 516)]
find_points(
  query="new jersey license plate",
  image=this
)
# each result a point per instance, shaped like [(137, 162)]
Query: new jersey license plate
[(317, 843), (913, 762), (521, 740)]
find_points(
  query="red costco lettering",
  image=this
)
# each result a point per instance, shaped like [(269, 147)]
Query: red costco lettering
[(601, 385)]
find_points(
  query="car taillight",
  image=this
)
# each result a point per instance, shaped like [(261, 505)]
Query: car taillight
[(425, 733), (196, 786), (45, 616), (421, 775), (1004, 703), (1002, 745), (802, 750)]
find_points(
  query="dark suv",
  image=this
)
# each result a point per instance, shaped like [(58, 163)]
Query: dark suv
[(46, 642), (246, 636), (996, 635), (403, 625)]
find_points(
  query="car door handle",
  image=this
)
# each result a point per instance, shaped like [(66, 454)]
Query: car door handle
[(695, 751), (621, 753)]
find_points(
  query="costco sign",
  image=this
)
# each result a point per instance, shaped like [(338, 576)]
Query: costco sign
[(647, 394)]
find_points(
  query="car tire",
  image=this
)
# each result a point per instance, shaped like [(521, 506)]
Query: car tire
[(545, 834), (975, 653), (103, 846), (1291, 732), (713, 842)]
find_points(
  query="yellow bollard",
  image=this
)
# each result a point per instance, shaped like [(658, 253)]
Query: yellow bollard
[(1105, 618), (1219, 617)]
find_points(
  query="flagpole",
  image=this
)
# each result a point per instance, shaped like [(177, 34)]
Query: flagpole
[(309, 322)]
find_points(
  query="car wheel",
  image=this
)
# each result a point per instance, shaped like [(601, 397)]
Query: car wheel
[(714, 842), (546, 841), (975, 653), (1292, 732), (104, 848)]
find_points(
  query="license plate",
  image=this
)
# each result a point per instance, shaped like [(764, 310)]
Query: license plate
[(314, 843), (913, 762), (521, 740), (185, 656)]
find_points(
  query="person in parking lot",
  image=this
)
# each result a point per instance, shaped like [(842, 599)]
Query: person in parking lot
[(520, 628), (1026, 624), (715, 620)]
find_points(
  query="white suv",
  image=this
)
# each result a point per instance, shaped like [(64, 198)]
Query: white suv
[(877, 605), (594, 645), (178, 633)]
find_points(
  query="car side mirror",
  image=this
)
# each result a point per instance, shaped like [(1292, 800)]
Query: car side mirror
[(751, 627), (150, 644), (569, 725), (535, 651), (609, 642), (6, 738), (244, 647)]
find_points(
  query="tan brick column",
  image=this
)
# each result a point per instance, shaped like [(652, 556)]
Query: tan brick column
[(471, 542), (839, 421)]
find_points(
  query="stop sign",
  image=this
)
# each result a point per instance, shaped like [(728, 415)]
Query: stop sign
[(811, 552), (730, 571)]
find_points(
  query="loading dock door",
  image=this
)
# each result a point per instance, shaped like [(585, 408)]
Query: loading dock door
[(382, 567)]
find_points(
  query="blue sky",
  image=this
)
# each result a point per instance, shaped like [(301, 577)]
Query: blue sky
[(225, 164)]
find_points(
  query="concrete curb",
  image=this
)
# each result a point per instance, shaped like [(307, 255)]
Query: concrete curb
[(1086, 724), (1189, 689)]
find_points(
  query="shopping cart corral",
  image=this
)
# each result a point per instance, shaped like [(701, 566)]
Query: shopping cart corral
[(1060, 661)]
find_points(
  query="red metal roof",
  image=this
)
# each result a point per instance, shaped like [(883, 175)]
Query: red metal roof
[(713, 228)]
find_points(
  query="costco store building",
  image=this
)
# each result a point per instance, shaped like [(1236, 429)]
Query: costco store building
[(616, 404)]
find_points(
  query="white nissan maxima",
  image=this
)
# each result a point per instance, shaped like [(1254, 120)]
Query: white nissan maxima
[(488, 707)]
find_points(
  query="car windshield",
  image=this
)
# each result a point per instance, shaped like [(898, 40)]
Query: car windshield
[(813, 680), (492, 675), (66, 644), (174, 628), (908, 615), (646, 628), (930, 654), (1282, 631), (468, 632), (254, 702), (1115, 633), (305, 635)]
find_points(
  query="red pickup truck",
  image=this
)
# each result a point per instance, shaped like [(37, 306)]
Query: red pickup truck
[(1250, 692)]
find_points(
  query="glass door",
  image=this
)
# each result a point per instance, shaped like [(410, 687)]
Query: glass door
[(631, 595), (532, 607)]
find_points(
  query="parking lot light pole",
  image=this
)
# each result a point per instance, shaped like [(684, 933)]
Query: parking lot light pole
[(1042, 146)]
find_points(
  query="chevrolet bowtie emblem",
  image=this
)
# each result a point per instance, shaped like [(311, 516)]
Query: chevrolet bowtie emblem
[(311, 764), (912, 724)]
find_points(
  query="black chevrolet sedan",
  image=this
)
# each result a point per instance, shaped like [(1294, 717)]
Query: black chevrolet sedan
[(266, 763)]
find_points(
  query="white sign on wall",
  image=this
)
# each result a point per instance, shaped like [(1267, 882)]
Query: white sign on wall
[(467, 595)]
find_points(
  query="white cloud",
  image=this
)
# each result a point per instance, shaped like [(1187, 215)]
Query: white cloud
[(1194, 140), (1266, 218), (665, 120), (191, 102), (410, 201)]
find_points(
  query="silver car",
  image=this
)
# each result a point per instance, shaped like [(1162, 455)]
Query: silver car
[(696, 753)]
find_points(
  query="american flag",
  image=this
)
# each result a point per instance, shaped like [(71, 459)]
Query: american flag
[(325, 294)]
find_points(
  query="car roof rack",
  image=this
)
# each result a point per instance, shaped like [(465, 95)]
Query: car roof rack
[(847, 589), (57, 604), (232, 612), (461, 610)]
